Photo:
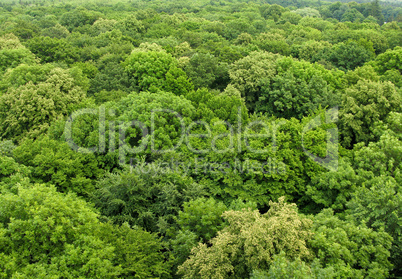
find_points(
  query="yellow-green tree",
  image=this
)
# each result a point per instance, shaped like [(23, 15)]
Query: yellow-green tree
[(249, 242)]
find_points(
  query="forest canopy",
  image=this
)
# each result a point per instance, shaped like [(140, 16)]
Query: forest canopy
[(200, 139)]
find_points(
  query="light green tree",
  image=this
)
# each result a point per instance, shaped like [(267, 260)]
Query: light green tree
[(13, 53), (364, 105), (354, 251), (249, 73), (249, 242), (46, 234), (29, 109)]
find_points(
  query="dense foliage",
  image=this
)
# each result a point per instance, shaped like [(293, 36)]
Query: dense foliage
[(200, 139)]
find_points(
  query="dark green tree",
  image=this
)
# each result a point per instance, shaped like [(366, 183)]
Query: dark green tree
[(375, 11)]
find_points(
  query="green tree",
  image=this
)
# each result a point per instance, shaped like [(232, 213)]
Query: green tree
[(77, 18), (138, 253), (333, 189), (58, 31), (109, 96), (202, 216), (177, 82), (249, 242), (56, 163), (29, 109), (52, 49), (353, 251), (379, 158), (199, 221), (205, 70), (308, 12), (112, 76), (378, 204), (23, 74), (13, 53), (102, 25), (363, 74), (352, 15), (6, 148), (290, 17), (131, 26), (272, 11), (46, 234), (144, 197), (248, 75), (153, 70), (235, 27), (282, 267), (349, 55), (12, 174), (149, 68), (170, 113), (390, 60), (37, 74), (272, 42), (363, 105), (225, 105), (375, 11), (311, 48), (298, 88)]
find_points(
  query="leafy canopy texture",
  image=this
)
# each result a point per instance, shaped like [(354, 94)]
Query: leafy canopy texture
[(299, 88), (378, 204), (154, 70), (353, 251), (283, 86), (54, 162), (29, 109), (365, 104), (248, 74), (282, 267), (147, 199), (13, 53), (46, 234), (249, 242)]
